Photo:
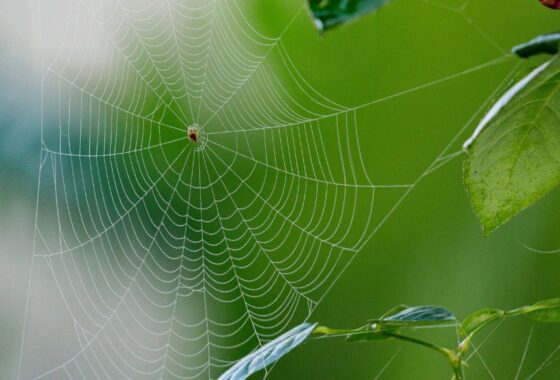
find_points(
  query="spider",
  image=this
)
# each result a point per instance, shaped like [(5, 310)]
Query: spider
[(193, 134)]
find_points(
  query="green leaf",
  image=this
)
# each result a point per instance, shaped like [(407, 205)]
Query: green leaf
[(417, 316), (375, 331), (479, 319), (269, 353), (394, 310), (330, 13), (514, 155), (370, 334), (365, 333), (547, 43), (543, 311)]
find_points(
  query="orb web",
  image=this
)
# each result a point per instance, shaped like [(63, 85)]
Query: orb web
[(206, 195)]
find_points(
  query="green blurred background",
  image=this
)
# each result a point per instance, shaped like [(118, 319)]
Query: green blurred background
[(429, 251)]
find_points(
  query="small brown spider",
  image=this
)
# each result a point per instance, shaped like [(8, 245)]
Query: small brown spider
[(193, 134)]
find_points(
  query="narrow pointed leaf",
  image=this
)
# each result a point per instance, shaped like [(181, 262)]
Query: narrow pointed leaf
[(513, 158), (479, 319), (543, 311), (394, 310), (269, 353), (417, 316), (371, 333), (330, 13)]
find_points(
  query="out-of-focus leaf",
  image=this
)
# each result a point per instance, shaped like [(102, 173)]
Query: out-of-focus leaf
[(330, 13), (547, 43), (514, 155), (552, 4), (479, 319), (543, 311), (417, 316), (269, 353)]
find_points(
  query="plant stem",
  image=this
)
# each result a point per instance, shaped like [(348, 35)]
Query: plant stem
[(454, 360), (329, 331), (439, 349)]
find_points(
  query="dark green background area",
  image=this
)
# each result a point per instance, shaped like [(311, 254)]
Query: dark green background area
[(430, 250)]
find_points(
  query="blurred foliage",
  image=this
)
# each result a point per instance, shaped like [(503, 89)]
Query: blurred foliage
[(331, 13)]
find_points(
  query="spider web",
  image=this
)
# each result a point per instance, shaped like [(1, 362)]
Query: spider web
[(174, 259)]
